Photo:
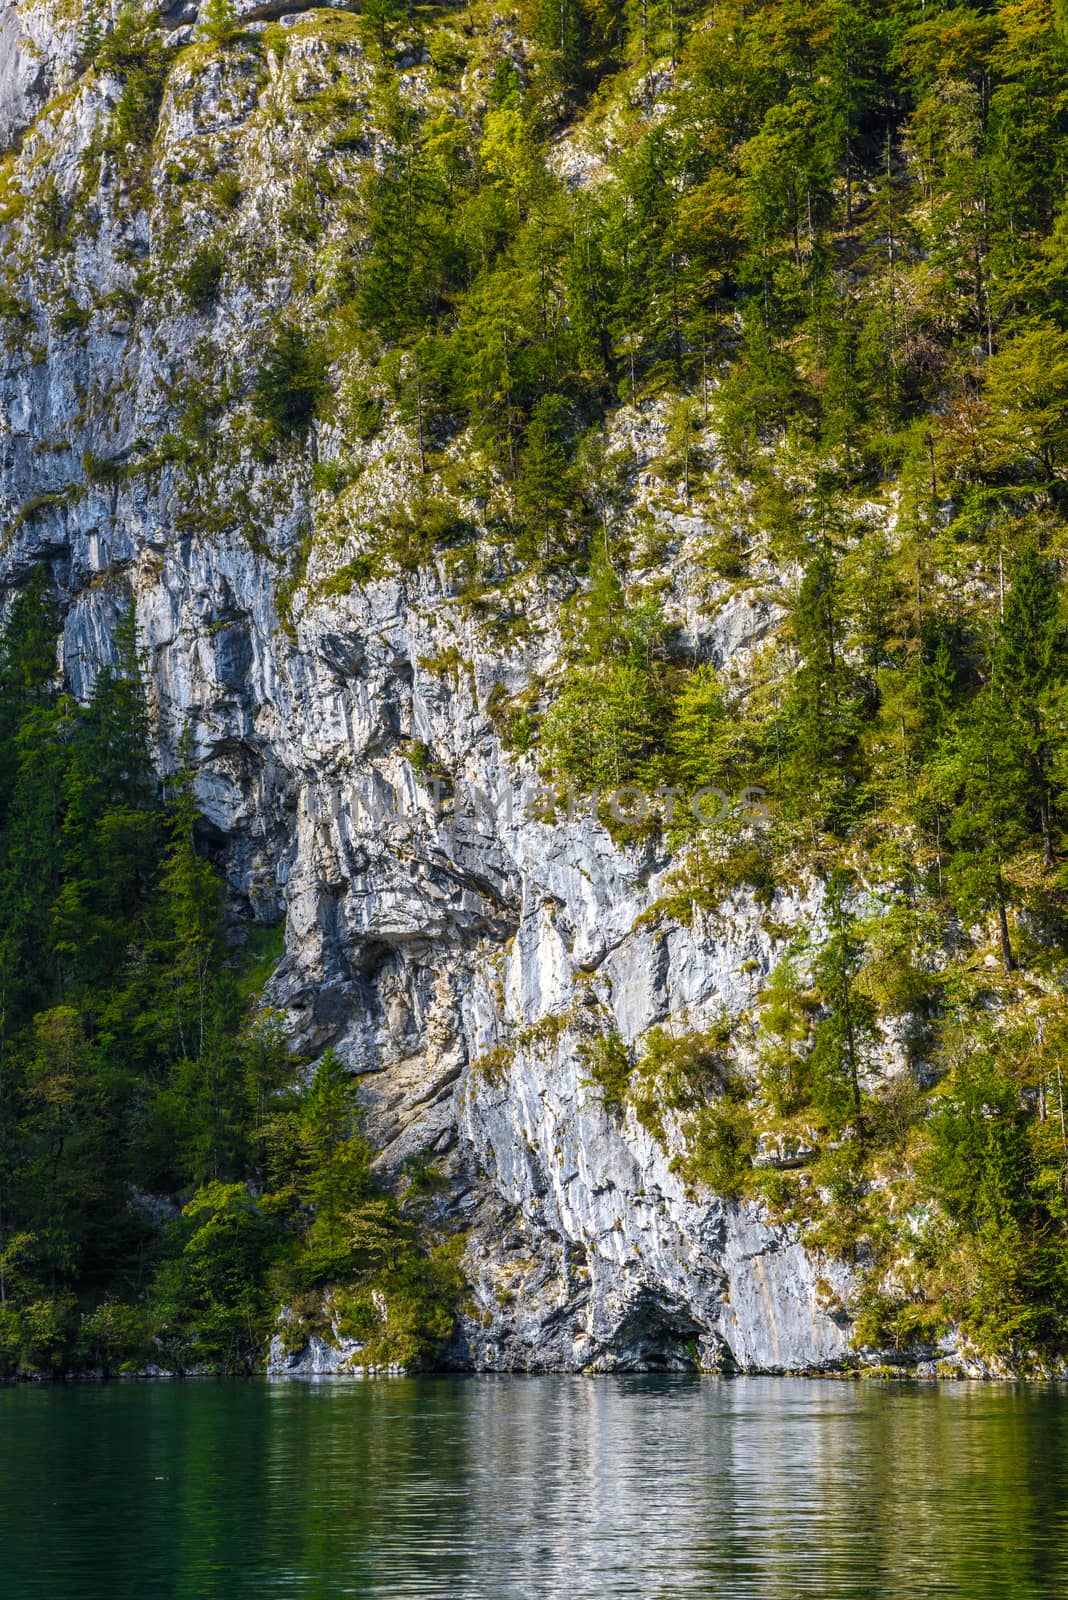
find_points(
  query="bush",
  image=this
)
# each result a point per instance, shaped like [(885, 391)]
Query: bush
[(607, 1060), (71, 317), (721, 1141), (37, 1337), (137, 112), (715, 868), (218, 21), (198, 283), (123, 48), (677, 1072), (134, 50), (209, 1300), (602, 725), (290, 382), (115, 1337)]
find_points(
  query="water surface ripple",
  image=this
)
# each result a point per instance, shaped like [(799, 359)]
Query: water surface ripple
[(525, 1488)]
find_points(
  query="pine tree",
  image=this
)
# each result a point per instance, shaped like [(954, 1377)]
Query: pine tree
[(413, 255), (90, 35), (337, 1171), (110, 835), (63, 1155), (191, 896), (999, 760), (544, 487), (841, 1043), (208, 1099), (1027, 672), (561, 28), (30, 860), (702, 740), (27, 668), (823, 710), (290, 381), (785, 1078)]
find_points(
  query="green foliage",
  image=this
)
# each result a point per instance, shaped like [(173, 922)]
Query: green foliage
[(209, 1297), (676, 1072), (720, 1144), (219, 20), (720, 862), (979, 1153), (785, 1025), (544, 487), (198, 281), (115, 1337), (133, 1083), (702, 735), (337, 1164), (684, 1090), (833, 266), (71, 317), (1002, 1262), (27, 664), (420, 1292), (607, 1060), (602, 725), (609, 718), (843, 1036), (289, 383), (261, 952), (90, 35), (135, 52)]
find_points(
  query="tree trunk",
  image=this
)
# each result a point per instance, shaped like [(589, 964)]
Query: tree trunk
[(1007, 959), (1047, 834)]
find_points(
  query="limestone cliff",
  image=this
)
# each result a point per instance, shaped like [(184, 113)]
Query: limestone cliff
[(343, 711)]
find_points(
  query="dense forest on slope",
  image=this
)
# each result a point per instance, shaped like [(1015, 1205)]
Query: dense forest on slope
[(829, 243), (131, 1072)]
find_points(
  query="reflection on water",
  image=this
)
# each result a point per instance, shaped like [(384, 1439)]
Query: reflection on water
[(503, 1489)]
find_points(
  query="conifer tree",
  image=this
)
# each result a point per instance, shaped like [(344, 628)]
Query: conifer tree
[(110, 833), (544, 484), (30, 860), (191, 894), (27, 667), (841, 1044), (785, 1077), (62, 1161), (1000, 758), (1027, 671), (822, 713), (702, 739), (337, 1173)]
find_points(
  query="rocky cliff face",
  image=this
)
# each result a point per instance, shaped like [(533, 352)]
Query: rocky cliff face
[(460, 949)]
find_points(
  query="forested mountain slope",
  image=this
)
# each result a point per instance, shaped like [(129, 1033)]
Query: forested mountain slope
[(533, 685)]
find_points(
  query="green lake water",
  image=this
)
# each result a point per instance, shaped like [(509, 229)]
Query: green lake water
[(503, 1489)]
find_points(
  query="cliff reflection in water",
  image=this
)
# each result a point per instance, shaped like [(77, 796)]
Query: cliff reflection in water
[(504, 1489)]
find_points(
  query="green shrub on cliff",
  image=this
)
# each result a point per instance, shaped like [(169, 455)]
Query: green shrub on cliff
[(289, 383)]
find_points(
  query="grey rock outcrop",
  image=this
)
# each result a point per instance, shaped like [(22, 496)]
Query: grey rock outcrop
[(459, 954), (40, 46)]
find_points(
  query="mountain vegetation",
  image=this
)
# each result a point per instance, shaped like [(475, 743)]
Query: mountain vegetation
[(826, 244), (169, 1173)]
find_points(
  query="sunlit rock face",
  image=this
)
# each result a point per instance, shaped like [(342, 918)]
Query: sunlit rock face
[(459, 948)]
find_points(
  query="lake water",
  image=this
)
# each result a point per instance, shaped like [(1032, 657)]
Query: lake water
[(508, 1488)]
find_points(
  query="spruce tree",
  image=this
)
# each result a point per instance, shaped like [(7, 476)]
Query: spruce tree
[(27, 668), (842, 1040), (544, 488), (337, 1172), (110, 834)]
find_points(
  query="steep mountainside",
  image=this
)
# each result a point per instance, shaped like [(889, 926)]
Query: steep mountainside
[(588, 484)]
